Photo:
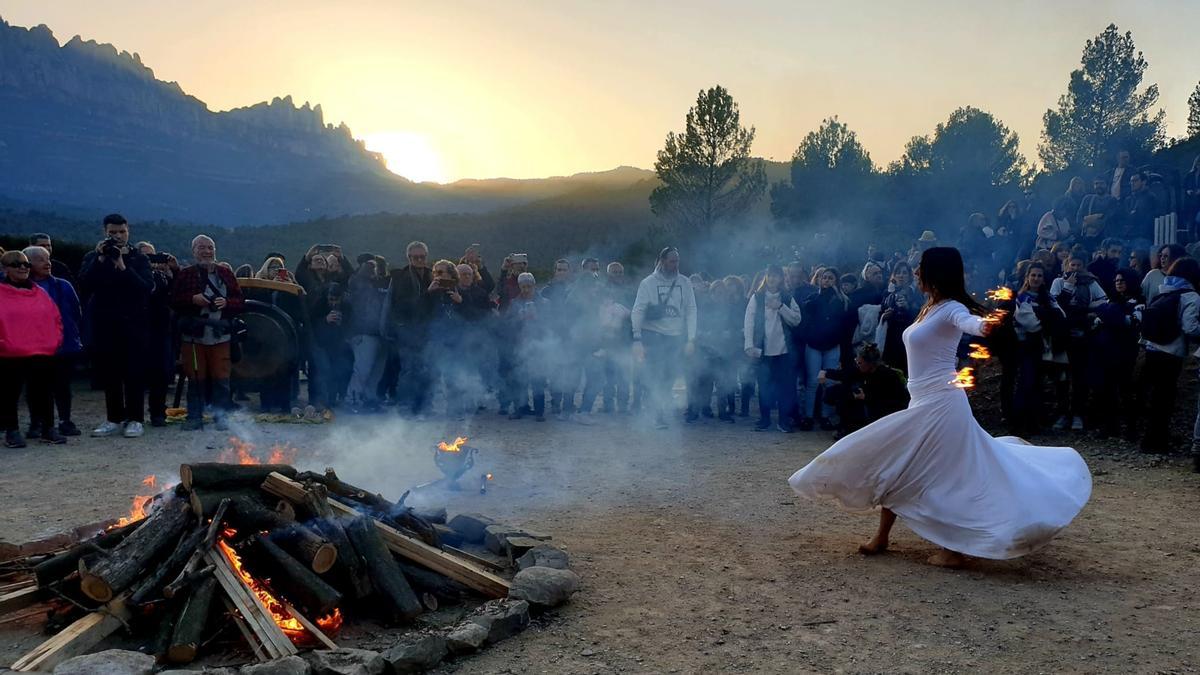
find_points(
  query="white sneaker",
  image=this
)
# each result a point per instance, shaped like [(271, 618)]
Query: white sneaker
[(1077, 424), (133, 430), (106, 429), (583, 418)]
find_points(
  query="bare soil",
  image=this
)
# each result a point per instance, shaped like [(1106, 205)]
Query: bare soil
[(695, 555)]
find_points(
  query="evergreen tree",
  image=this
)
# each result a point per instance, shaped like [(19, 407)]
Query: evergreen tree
[(828, 168), (1193, 124)]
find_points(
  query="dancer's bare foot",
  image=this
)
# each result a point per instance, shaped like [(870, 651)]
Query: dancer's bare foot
[(874, 547), (947, 558)]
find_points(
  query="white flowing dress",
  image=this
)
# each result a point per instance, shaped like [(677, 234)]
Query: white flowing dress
[(940, 472)]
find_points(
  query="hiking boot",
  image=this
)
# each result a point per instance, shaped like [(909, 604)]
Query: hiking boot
[(68, 428), (14, 439), (50, 435)]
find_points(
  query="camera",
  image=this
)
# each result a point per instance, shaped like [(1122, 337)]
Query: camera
[(159, 258), (110, 247)]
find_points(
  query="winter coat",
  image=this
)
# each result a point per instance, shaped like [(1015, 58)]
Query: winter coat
[(30, 324), (64, 297), (826, 317), (1189, 318), (368, 305)]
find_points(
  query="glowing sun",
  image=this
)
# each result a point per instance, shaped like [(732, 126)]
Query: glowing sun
[(408, 154)]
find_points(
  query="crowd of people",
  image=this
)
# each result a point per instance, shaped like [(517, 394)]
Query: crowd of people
[(1098, 322)]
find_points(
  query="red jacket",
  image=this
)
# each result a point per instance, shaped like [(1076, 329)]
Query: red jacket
[(30, 324), (193, 279)]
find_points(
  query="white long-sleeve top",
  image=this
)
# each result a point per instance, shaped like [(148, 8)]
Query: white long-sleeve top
[(775, 340)]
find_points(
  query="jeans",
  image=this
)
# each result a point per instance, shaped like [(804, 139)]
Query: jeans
[(816, 360), (369, 361), (616, 381), (664, 365)]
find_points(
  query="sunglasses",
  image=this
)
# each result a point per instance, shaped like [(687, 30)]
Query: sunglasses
[(18, 265)]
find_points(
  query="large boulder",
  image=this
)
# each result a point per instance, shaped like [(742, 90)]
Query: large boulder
[(346, 662), (416, 653), (544, 586), (502, 618), (288, 665), (108, 662)]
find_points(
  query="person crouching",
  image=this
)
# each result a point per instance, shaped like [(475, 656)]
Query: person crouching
[(206, 295)]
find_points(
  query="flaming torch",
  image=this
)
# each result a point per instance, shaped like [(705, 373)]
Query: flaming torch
[(1001, 294), (979, 352), (964, 379)]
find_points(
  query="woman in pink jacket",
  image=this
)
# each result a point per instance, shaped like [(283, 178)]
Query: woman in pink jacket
[(30, 333)]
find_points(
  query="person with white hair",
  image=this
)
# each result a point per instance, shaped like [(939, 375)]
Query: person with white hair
[(63, 294), (526, 316), (205, 296)]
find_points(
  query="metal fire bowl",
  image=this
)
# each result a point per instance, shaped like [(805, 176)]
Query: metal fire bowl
[(454, 464)]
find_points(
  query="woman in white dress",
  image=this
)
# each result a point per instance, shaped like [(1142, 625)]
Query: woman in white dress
[(933, 466)]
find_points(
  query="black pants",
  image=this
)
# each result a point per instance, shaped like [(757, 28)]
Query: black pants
[(1161, 381), (122, 373), (1030, 376), (1072, 391), (63, 370), (35, 376), (776, 387), (852, 413), (160, 371)]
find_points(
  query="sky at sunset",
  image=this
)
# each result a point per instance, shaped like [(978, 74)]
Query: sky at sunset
[(455, 90)]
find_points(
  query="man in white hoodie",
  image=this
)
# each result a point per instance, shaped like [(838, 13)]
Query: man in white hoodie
[(664, 329)]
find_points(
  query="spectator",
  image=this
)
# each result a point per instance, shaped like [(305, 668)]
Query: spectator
[(898, 311), (273, 269), (1055, 226), (526, 328), (926, 241), (1105, 267), (1035, 317), (973, 238), (365, 326), (560, 315), (206, 297), (1099, 209), (410, 315), (244, 271), (1139, 261), (31, 333), (1071, 200), (58, 269), (1119, 179), (118, 282), (313, 271), (330, 359), (1167, 255), (1191, 196), (664, 329), (1079, 295), (1141, 208), (484, 279), (1168, 322), (514, 266), (826, 315), (771, 314), (868, 392), (1117, 340), (63, 294), (162, 350)]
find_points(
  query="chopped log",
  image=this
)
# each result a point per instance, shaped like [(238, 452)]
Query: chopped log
[(400, 517), (75, 639), (355, 574), (114, 572), (249, 516), (217, 476), (385, 575), (289, 577), (189, 572), (151, 586), (464, 572), (165, 630), (258, 619), (307, 546), (55, 568), (190, 626), (425, 581), (20, 599), (309, 626)]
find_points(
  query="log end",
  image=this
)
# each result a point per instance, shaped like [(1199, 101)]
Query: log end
[(185, 476), (181, 653), (95, 587), (324, 559)]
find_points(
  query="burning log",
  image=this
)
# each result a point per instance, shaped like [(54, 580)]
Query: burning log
[(275, 644), (55, 568), (250, 516), (385, 575), (289, 578), (217, 476), (191, 570), (318, 503), (190, 625), (153, 584), (117, 570), (439, 561), (401, 517)]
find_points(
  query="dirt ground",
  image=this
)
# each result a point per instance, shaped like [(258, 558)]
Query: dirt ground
[(695, 555)]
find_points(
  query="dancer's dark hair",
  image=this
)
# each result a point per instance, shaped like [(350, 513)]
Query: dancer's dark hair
[(942, 276)]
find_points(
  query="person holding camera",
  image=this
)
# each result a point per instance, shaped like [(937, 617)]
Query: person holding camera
[(117, 281), (664, 329), (163, 350), (869, 391), (205, 296)]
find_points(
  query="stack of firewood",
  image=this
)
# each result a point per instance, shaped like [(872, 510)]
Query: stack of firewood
[(276, 552)]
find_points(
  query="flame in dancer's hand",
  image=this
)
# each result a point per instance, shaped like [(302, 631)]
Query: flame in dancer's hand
[(1003, 293), (964, 379), (979, 352)]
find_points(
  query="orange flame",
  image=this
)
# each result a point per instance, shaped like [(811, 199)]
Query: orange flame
[(150, 480), (290, 626), (979, 352), (137, 510), (453, 447), (995, 316), (1002, 293), (964, 379), (489, 476), (242, 452)]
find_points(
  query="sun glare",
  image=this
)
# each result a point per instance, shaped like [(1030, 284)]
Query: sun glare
[(408, 154)]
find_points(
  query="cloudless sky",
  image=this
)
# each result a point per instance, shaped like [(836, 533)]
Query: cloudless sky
[(529, 89)]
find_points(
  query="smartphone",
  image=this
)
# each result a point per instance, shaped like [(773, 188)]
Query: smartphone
[(159, 258), (446, 283)]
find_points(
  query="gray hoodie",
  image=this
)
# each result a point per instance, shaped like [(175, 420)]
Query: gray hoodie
[(679, 315)]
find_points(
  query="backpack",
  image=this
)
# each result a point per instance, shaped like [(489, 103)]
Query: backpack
[(1160, 318)]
